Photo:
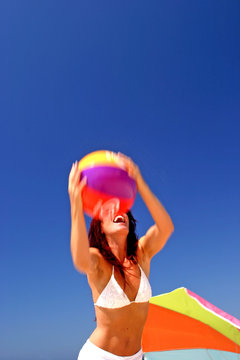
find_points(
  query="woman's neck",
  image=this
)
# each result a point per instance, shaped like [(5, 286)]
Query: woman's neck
[(118, 246)]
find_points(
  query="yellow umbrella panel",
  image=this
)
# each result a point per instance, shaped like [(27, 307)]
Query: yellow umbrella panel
[(185, 326)]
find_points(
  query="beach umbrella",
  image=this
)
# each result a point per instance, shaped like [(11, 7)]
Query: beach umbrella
[(181, 325)]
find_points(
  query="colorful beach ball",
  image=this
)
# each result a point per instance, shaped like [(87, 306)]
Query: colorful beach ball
[(109, 188)]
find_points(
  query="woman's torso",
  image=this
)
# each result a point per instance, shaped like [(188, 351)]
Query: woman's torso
[(119, 330)]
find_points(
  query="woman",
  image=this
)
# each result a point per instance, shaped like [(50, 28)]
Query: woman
[(117, 266)]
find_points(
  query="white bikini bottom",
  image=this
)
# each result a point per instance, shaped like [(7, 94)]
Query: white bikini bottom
[(91, 351)]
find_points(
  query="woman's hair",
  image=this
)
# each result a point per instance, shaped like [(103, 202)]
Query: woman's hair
[(98, 240)]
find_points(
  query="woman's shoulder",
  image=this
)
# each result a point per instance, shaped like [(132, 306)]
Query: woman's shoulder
[(99, 271), (95, 252), (95, 256), (98, 263)]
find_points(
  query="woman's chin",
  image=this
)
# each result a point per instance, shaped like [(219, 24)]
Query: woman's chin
[(122, 230)]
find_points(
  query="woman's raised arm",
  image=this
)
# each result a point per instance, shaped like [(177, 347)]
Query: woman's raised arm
[(79, 237), (156, 237)]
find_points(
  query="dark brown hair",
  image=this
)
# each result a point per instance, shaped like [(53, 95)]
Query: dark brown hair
[(98, 240)]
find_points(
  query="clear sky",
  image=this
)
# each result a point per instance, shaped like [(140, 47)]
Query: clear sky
[(158, 80)]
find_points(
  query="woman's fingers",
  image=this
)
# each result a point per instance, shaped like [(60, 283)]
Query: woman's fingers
[(74, 176), (73, 171), (74, 179), (123, 157), (83, 183), (130, 166), (124, 160), (75, 186)]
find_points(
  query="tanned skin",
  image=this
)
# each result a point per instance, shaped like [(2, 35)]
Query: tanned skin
[(118, 331)]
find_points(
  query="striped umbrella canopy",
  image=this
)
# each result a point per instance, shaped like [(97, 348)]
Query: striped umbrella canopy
[(181, 325)]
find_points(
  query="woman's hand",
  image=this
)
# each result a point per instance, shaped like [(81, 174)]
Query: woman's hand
[(75, 186), (131, 167)]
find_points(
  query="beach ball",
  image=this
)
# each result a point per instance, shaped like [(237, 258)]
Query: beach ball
[(109, 188)]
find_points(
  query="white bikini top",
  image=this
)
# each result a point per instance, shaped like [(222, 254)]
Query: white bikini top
[(113, 296)]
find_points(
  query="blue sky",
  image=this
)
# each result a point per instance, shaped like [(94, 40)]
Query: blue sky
[(156, 80)]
